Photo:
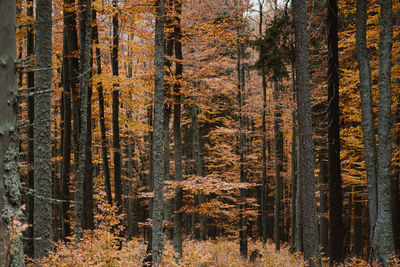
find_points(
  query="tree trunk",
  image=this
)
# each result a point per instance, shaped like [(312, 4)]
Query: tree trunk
[(88, 212), (383, 235), (306, 160), (177, 132), (198, 168), (69, 80), (367, 122), (30, 43), (293, 190), (42, 130), (158, 149), (323, 207), (243, 220), (336, 225), (357, 224), (85, 23), (11, 250), (104, 150), (278, 151), (115, 113)]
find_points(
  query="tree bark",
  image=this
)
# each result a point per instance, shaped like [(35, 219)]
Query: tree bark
[(243, 220), (278, 151), (11, 250), (115, 113), (42, 130), (158, 149), (85, 23), (306, 160), (104, 150), (384, 229), (323, 207), (30, 43), (336, 225), (177, 131), (367, 122), (293, 191)]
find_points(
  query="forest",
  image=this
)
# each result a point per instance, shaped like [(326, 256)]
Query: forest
[(199, 133)]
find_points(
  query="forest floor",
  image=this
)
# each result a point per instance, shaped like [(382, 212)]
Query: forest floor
[(100, 248)]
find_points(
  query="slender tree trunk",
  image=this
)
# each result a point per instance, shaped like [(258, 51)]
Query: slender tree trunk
[(177, 132), (323, 207), (367, 122), (306, 146), (299, 224), (384, 229), (243, 220), (158, 149), (278, 151), (104, 150), (69, 80), (88, 212), (198, 168), (115, 113), (42, 130), (357, 224), (11, 250), (31, 116), (293, 191), (336, 225), (85, 23)]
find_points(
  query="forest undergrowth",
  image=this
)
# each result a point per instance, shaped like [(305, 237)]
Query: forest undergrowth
[(100, 248)]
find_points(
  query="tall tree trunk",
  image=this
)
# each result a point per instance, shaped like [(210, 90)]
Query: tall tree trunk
[(323, 207), (278, 151), (367, 121), (70, 72), (243, 220), (30, 43), (306, 160), (85, 23), (158, 149), (115, 113), (42, 130), (88, 212), (384, 229), (293, 191), (198, 168), (336, 225), (357, 224), (103, 136), (11, 250), (264, 192), (177, 132)]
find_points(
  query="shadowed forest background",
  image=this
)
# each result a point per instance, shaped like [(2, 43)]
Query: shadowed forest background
[(199, 132)]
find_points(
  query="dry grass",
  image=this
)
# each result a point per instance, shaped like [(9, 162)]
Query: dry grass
[(99, 248)]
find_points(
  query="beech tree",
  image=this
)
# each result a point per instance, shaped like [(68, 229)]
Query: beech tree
[(158, 148), (11, 250), (42, 130), (306, 159)]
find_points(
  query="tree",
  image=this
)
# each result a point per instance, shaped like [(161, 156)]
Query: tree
[(104, 148), (85, 23), (306, 160), (42, 130), (115, 112), (383, 235), (30, 43), (177, 129), (70, 82), (336, 226), (367, 122), (158, 151), (11, 251)]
